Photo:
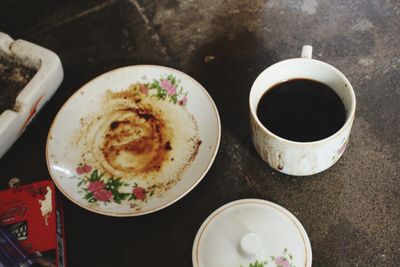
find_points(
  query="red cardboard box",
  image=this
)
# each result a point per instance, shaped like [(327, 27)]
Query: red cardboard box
[(32, 213)]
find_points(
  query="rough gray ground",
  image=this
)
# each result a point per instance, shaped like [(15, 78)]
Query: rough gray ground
[(351, 211)]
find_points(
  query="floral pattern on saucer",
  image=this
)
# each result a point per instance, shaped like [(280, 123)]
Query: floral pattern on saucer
[(166, 88), (285, 260), (95, 187)]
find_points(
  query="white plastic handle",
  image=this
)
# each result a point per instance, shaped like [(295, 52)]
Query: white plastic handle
[(306, 52)]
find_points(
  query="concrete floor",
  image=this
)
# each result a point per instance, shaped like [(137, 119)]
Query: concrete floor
[(351, 211)]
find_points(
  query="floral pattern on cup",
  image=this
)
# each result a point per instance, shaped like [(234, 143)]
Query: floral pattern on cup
[(96, 187), (166, 88), (285, 260)]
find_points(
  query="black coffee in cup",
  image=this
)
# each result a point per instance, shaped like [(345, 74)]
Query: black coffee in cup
[(301, 110)]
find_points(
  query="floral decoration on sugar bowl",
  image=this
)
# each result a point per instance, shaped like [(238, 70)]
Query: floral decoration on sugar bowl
[(97, 188), (285, 260), (166, 88)]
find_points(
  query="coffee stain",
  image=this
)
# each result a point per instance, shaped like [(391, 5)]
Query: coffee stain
[(139, 138), (136, 143), (280, 162)]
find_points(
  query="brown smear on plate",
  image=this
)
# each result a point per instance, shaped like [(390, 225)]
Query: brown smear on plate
[(139, 138)]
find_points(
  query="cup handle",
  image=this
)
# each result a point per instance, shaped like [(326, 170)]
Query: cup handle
[(306, 51)]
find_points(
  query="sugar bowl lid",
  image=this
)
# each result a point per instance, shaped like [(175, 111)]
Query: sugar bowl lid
[(251, 232)]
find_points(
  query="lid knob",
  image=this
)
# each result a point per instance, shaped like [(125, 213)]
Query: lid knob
[(250, 244)]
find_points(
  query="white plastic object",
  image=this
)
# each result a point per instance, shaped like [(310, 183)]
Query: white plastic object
[(35, 94)]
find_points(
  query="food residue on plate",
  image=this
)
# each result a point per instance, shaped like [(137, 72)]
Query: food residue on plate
[(138, 144)]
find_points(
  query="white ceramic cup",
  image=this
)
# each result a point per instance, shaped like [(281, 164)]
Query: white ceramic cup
[(301, 158)]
